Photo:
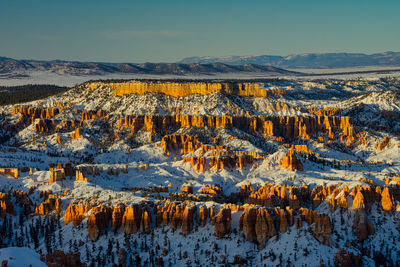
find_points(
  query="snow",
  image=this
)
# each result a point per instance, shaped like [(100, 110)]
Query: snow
[(20, 257)]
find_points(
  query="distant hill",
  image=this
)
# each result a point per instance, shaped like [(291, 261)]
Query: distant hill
[(10, 66), (318, 61)]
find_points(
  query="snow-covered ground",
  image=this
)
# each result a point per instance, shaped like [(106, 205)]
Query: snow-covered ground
[(47, 77), (20, 257)]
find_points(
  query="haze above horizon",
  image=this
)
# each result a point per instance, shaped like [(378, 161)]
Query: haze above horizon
[(168, 31)]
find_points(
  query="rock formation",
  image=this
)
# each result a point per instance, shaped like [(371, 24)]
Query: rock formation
[(222, 223), (387, 203), (56, 174), (50, 204), (13, 172), (185, 89), (59, 259), (291, 162), (347, 259), (6, 205), (131, 219), (75, 212), (98, 221)]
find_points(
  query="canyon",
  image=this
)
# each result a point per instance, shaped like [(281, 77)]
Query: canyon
[(194, 173)]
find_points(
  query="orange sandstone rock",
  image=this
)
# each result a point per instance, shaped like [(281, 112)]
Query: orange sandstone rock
[(13, 172), (358, 201), (131, 219), (188, 88), (387, 203), (58, 258), (222, 223), (211, 189), (290, 161), (75, 212), (76, 134), (188, 219), (203, 215), (56, 174), (98, 221), (6, 205), (117, 214)]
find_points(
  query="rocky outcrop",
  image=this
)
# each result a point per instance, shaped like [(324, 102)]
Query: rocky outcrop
[(329, 111), (179, 215), (59, 259), (76, 134), (222, 223), (270, 195), (13, 172), (131, 219), (384, 143), (187, 189), (257, 225), (361, 224), (56, 174), (79, 176), (117, 215), (136, 218), (387, 202), (83, 173), (44, 125), (188, 88), (221, 161), (211, 189), (321, 225), (291, 162), (247, 222), (210, 156), (203, 215), (294, 202), (358, 201), (281, 220), (188, 219), (91, 115), (264, 227), (363, 228), (122, 256), (35, 112), (345, 258), (23, 201), (98, 221), (145, 222), (50, 204), (6, 205), (75, 212), (279, 127)]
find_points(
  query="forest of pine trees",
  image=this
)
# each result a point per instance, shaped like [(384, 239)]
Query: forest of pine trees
[(25, 93)]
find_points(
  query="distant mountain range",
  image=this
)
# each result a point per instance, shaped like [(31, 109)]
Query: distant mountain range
[(316, 61), (13, 66), (260, 65)]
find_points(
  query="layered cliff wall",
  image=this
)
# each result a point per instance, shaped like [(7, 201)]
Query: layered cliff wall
[(287, 127), (187, 88)]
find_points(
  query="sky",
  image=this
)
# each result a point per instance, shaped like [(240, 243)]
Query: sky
[(169, 30)]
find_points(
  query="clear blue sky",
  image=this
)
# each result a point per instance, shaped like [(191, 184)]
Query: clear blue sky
[(168, 30)]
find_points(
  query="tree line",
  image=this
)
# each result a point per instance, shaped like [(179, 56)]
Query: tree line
[(26, 93)]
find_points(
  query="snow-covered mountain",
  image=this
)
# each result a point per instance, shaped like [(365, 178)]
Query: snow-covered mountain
[(204, 173), (24, 67), (307, 61)]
